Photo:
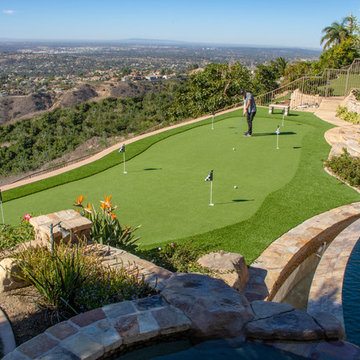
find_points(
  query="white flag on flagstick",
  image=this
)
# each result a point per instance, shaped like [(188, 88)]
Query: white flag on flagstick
[(210, 178), (278, 130)]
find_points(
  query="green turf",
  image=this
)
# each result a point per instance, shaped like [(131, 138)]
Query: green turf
[(311, 192), (164, 190), (339, 84), (97, 166)]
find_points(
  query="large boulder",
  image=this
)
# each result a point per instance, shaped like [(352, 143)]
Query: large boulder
[(214, 308), (9, 269), (266, 309), (229, 267), (293, 325)]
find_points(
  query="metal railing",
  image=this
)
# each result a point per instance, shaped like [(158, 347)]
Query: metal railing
[(332, 82)]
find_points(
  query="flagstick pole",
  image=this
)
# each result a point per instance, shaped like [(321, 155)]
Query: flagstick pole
[(277, 141), (212, 123), (211, 203), (125, 172), (283, 120)]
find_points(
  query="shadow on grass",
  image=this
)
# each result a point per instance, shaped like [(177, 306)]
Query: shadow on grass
[(274, 133), (234, 201), (142, 170)]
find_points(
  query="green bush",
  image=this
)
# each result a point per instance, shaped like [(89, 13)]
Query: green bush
[(347, 167), (356, 93), (106, 228), (14, 235), (176, 257), (72, 278), (349, 116)]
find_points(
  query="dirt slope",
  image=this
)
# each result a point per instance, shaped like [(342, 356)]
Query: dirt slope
[(13, 108)]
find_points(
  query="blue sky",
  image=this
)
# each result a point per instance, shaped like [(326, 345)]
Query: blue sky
[(251, 22)]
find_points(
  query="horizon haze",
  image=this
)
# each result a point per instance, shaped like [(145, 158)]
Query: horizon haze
[(259, 23)]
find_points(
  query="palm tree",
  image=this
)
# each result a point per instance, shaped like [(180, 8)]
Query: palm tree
[(281, 64), (351, 24), (335, 33)]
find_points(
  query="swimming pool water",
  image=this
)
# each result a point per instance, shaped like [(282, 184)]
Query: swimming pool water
[(208, 350), (351, 296)]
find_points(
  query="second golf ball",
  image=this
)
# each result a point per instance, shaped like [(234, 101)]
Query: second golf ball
[(234, 149), (235, 187)]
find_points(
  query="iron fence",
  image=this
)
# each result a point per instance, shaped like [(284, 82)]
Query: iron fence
[(332, 82)]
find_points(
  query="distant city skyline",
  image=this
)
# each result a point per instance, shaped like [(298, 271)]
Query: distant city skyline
[(276, 23)]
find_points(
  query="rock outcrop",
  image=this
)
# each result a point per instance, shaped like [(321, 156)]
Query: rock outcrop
[(214, 308), (229, 267), (9, 269)]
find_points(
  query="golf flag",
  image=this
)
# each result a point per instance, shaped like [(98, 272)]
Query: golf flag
[(122, 149), (210, 176), (277, 137)]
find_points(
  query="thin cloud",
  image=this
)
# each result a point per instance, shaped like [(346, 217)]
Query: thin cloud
[(9, 12)]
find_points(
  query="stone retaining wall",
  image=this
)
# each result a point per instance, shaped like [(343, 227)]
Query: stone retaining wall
[(299, 99), (285, 254), (352, 104)]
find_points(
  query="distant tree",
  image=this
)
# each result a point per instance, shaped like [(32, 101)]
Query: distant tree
[(192, 67), (351, 24), (265, 79), (280, 65), (335, 33), (125, 71), (214, 88), (338, 55), (297, 70)]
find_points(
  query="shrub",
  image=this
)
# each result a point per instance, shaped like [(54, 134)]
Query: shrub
[(356, 93), (176, 257), (349, 116), (73, 279), (13, 235), (347, 167), (106, 227)]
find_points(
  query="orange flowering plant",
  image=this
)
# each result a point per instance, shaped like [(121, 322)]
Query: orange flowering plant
[(106, 227)]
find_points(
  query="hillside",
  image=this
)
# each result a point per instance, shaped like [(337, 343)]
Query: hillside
[(14, 108)]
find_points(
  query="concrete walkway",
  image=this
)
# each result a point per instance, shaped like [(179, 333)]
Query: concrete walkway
[(327, 112)]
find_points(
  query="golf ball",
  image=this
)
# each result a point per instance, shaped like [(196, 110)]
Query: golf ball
[(235, 187), (233, 149)]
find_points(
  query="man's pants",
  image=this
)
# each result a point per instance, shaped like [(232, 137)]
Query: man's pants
[(250, 117)]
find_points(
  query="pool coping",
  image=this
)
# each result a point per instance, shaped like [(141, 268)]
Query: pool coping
[(286, 253), (327, 284)]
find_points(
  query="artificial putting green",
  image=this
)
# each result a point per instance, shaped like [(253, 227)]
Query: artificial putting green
[(164, 190)]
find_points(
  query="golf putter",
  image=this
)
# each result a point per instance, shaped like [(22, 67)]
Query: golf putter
[(238, 128)]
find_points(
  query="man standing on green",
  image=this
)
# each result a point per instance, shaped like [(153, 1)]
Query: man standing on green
[(249, 109)]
